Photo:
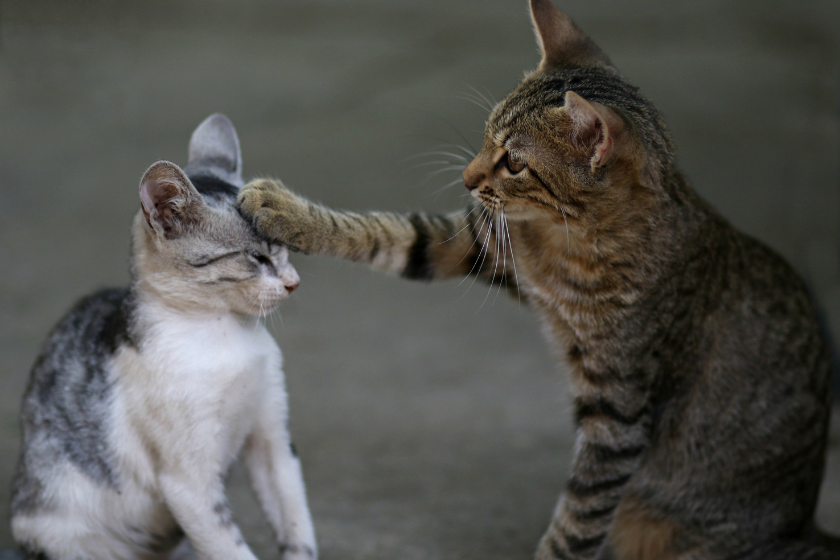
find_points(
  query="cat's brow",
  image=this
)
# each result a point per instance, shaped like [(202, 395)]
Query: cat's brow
[(207, 260)]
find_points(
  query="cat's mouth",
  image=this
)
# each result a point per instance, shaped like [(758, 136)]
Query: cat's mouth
[(268, 301), (488, 197), (509, 208)]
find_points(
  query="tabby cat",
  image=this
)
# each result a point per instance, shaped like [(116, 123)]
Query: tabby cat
[(142, 397), (699, 376)]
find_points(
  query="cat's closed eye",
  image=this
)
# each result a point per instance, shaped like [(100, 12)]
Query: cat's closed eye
[(208, 260), (259, 258)]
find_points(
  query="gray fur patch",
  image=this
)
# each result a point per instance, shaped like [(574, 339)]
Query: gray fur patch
[(66, 409)]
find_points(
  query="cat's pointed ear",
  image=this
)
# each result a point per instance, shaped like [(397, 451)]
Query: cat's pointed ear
[(596, 128), (562, 43), (214, 149), (168, 199)]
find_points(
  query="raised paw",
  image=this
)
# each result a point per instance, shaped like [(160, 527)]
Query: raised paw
[(274, 211), (263, 193)]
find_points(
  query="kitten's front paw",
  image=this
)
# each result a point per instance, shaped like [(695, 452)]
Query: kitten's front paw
[(298, 552), (274, 211)]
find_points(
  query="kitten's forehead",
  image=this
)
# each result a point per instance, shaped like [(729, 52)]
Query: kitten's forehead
[(229, 227), (219, 228), (215, 226)]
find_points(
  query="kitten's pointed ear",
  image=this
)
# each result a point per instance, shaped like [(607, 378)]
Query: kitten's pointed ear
[(214, 149), (168, 199), (562, 43), (597, 128)]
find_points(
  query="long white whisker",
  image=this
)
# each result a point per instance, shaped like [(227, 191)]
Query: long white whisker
[(495, 263), (476, 237), (485, 222), (452, 154), (503, 232), (485, 245), (451, 167), (447, 185), (489, 103), (466, 212), (481, 104), (466, 217), (434, 174), (491, 97), (512, 258), (470, 153), (458, 132), (439, 152), (428, 163)]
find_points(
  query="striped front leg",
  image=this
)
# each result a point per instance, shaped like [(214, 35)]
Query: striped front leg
[(417, 246), (611, 439)]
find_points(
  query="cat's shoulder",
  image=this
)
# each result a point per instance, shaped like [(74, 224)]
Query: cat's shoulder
[(93, 330)]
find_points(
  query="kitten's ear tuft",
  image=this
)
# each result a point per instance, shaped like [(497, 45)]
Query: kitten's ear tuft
[(597, 128), (214, 149), (562, 43), (168, 199)]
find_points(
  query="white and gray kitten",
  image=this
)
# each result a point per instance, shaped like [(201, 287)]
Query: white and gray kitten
[(143, 397)]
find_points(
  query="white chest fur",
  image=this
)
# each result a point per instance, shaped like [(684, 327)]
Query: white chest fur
[(196, 385)]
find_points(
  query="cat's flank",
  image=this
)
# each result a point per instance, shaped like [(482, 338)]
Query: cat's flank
[(143, 397), (699, 378)]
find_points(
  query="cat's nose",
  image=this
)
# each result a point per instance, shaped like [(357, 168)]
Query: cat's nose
[(475, 173), (472, 177), (292, 287)]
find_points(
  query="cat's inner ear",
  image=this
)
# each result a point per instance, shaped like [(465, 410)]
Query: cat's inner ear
[(595, 128), (214, 150), (168, 199), (561, 42)]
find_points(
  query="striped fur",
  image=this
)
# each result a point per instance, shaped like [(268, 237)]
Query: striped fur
[(699, 377)]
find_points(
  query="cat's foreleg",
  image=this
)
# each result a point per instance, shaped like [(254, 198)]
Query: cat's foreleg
[(278, 482), (611, 439), (197, 500), (416, 246)]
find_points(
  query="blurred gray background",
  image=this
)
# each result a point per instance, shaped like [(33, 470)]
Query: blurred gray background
[(431, 421)]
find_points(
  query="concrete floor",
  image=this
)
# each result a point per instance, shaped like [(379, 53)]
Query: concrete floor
[(431, 421)]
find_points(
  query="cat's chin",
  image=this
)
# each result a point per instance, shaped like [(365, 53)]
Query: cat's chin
[(263, 307)]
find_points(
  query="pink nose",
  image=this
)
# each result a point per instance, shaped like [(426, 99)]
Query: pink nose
[(292, 287)]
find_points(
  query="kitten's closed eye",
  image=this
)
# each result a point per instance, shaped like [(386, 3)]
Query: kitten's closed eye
[(260, 258), (208, 260)]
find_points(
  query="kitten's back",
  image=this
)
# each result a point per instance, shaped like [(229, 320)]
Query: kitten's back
[(69, 393)]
